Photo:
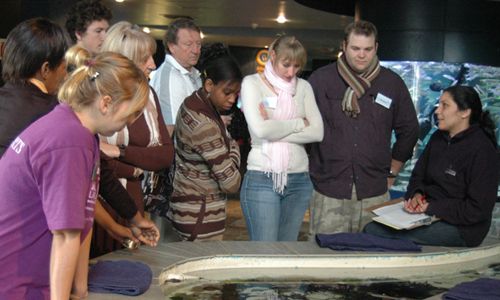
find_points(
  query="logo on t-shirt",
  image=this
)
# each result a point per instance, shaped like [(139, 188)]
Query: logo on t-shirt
[(91, 199), (17, 145)]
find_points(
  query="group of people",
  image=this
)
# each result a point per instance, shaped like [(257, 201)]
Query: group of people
[(83, 128)]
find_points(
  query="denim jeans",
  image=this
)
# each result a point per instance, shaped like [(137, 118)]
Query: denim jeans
[(271, 216), (437, 234)]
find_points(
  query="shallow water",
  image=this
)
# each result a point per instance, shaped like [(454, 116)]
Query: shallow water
[(386, 288)]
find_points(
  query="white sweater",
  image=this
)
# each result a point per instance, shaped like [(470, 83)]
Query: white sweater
[(255, 91)]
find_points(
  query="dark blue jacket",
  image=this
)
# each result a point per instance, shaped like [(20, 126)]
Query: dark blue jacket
[(459, 177)]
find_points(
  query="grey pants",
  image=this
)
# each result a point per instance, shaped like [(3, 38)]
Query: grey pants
[(331, 215)]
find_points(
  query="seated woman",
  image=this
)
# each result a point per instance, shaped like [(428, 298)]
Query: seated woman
[(207, 158), (455, 178)]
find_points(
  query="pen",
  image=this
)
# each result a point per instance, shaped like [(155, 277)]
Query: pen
[(422, 200)]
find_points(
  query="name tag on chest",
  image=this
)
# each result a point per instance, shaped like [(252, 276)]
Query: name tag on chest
[(270, 102), (383, 100)]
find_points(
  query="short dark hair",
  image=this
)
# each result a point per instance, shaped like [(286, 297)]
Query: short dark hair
[(173, 29), (83, 13), (362, 28), (29, 45)]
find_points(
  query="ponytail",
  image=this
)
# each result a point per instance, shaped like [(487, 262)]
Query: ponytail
[(107, 74), (216, 64), (488, 126)]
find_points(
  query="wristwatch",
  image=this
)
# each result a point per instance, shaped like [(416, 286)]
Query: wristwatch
[(392, 174), (122, 151), (137, 172)]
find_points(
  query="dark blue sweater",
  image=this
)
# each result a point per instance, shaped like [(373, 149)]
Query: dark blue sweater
[(459, 177)]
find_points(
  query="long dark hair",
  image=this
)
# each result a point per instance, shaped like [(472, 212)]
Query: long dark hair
[(216, 63), (467, 98)]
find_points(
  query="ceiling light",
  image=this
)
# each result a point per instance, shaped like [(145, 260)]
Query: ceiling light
[(202, 35), (281, 18), (146, 29), (120, 1)]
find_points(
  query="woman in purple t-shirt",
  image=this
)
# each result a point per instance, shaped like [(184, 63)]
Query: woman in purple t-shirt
[(49, 180)]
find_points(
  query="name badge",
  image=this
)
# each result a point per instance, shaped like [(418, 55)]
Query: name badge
[(383, 100), (450, 171), (270, 102)]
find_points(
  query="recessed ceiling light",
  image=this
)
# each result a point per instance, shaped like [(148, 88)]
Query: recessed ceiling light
[(146, 29), (281, 18)]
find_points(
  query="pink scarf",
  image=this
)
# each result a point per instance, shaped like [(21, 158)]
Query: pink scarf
[(278, 153)]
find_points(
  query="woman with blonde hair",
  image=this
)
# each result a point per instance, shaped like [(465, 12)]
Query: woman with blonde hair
[(75, 57), (145, 145), (138, 228), (282, 117), (49, 178)]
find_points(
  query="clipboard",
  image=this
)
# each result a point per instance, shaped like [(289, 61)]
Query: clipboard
[(392, 214)]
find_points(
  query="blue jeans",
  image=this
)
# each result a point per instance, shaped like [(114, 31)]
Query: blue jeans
[(437, 234), (271, 216)]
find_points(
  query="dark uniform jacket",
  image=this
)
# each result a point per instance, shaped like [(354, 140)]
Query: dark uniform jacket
[(459, 178)]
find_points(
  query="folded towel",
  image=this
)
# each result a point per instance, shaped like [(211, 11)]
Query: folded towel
[(482, 288), (120, 277), (364, 242)]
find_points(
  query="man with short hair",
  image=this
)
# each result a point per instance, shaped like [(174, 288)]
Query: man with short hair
[(177, 78), (361, 104), (87, 23)]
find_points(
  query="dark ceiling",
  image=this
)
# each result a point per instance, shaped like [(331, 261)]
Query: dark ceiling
[(234, 22), (436, 30)]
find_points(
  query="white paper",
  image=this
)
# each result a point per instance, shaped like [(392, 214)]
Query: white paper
[(395, 216)]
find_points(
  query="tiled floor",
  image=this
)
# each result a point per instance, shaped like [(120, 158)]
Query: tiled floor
[(236, 228)]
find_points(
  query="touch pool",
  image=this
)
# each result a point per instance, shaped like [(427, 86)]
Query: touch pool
[(178, 267)]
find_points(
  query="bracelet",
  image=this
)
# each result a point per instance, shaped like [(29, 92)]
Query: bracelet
[(122, 151)]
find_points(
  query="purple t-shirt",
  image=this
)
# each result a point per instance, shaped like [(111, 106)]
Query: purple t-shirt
[(49, 180)]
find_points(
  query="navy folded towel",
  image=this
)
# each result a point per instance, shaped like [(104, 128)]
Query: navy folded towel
[(364, 242), (120, 277), (482, 288)]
